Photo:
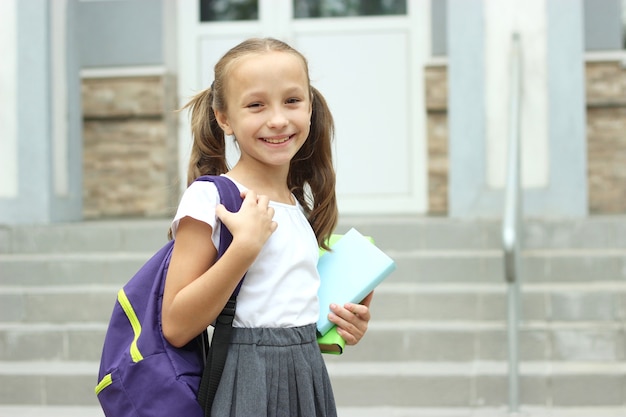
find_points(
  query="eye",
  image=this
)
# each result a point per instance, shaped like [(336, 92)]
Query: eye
[(293, 100), (255, 105)]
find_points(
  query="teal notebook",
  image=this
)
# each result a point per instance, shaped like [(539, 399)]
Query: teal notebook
[(348, 273)]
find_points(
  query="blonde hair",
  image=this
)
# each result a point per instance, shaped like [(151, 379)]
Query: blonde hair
[(311, 175)]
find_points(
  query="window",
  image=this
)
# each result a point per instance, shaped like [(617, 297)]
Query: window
[(304, 9), (228, 10), (604, 25)]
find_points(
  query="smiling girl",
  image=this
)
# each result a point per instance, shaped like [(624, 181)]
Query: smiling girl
[(262, 96)]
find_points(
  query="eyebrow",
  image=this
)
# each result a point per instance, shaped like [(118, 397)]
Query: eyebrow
[(259, 93)]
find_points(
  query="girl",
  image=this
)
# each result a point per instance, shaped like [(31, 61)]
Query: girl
[(262, 96)]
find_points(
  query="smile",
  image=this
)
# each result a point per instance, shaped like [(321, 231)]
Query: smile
[(278, 140)]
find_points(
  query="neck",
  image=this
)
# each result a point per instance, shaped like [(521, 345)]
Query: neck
[(272, 182)]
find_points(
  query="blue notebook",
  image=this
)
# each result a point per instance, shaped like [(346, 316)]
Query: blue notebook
[(349, 273)]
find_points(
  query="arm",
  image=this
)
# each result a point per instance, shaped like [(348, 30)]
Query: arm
[(197, 286), (352, 319)]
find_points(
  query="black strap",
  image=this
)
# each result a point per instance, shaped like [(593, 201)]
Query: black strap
[(216, 358), (218, 350)]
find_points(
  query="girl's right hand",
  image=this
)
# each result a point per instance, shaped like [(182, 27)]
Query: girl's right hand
[(252, 225), (196, 285)]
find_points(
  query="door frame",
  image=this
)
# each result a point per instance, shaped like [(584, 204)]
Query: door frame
[(277, 22)]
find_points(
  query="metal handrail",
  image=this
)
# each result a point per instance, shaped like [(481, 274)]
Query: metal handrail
[(512, 224)]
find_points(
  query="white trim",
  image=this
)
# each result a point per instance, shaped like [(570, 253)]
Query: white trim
[(590, 56), (170, 37), (606, 56), (276, 20), (123, 72), (347, 25), (437, 61), (188, 15), (8, 99), (60, 147), (420, 22)]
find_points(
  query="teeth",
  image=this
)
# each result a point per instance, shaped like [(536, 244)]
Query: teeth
[(275, 140)]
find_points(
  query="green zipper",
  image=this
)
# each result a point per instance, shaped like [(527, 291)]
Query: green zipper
[(106, 381), (135, 354)]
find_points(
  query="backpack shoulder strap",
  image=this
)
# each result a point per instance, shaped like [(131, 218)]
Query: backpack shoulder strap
[(230, 197)]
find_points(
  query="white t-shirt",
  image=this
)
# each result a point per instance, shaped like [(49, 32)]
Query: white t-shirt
[(280, 288)]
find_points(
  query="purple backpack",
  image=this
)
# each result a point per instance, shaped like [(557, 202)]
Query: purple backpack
[(141, 374)]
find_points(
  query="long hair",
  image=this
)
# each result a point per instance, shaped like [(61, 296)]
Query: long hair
[(311, 176)]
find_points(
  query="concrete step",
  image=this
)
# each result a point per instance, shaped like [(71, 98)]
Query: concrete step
[(22, 342), (392, 233), (393, 341), (148, 235), (476, 301), (386, 341), (57, 304), (476, 384), (595, 301), (50, 411), (427, 266), (604, 301), (525, 411), (406, 384), (405, 232), (48, 383), (576, 321), (94, 268), (444, 341), (90, 236)]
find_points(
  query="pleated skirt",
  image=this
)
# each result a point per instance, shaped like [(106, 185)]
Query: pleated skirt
[(274, 372)]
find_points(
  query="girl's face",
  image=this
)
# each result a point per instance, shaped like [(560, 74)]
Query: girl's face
[(268, 107)]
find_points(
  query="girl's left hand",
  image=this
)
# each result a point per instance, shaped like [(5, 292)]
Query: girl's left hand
[(351, 319)]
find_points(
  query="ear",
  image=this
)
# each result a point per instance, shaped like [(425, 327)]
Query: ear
[(222, 120)]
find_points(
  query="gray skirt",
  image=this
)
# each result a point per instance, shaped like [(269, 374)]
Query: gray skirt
[(272, 372)]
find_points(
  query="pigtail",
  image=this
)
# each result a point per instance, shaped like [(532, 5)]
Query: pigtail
[(312, 175), (208, 151)]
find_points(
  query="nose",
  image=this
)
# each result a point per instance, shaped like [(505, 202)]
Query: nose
[(277, 119)]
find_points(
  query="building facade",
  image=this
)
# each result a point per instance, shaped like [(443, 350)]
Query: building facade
[(419, 90)]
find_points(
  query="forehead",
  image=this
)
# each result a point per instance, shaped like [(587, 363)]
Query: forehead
[(269, 66)]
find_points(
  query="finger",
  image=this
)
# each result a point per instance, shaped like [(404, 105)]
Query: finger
[(350, 333), (221, 212), (249, 195), (347, 330), (263, 200), (350, 326), (360, 310), (349, 338), (347, 314)]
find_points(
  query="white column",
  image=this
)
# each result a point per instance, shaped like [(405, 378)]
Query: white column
[(502, 19), (8, 100), (59, 87), (40, 135)]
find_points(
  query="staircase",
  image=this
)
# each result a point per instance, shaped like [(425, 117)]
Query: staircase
[(438, 337), (436, 344)]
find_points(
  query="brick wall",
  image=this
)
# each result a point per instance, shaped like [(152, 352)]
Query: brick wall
[(437, 137), (606, 137), (130, 147)]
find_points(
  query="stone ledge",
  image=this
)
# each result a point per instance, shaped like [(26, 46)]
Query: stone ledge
[(107, 98)]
